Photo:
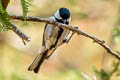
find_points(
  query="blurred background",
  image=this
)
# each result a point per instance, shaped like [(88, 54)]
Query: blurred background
[(96, 17)]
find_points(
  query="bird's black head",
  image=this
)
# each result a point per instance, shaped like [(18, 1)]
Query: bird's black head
[(63, 15)]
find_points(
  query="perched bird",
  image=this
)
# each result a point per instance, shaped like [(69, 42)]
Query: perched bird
[(53, 37)]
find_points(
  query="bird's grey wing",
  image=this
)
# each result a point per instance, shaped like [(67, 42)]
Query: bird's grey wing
[(50, 35)]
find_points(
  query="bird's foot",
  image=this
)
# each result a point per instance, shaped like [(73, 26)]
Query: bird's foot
[(47, 57), (65, 41), (76, 27)]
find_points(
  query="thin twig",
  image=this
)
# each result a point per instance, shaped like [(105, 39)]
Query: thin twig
[(80, 32), (23, 36)]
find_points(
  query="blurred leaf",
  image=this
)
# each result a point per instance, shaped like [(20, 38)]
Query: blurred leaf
[(116, 68), (116, 32), (118, 52), (15, 76), (24, 8), (118, 74), (69, 74), (96, 71), (4, 20), (82, 15), (115, 64), (2, 76), (102, 75), (72, 2), (25, 23)]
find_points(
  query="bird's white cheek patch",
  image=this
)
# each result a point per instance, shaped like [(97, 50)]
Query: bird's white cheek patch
[(57, 15), (69, 20)]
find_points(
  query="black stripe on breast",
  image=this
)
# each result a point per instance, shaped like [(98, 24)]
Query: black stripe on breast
[(58, 37)]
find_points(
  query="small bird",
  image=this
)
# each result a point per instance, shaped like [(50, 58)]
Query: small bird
[(53, 37)]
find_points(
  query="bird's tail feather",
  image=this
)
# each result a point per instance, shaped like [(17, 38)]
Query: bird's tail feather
[(36, 70), (37, 62)]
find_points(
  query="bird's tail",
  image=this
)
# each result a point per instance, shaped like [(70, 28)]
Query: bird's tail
[(37, 62)]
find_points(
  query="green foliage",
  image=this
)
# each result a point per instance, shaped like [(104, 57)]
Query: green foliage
[(2, 76), (5, 23), (118, 52), (68, 74), (12, 76), (72, 2), (25, 24), (102, 75), (15, 76), (82, 15), (118, 73), (115, 64), (25, 6), (116, 68), (4, 19), (116, 32), (62, 75)]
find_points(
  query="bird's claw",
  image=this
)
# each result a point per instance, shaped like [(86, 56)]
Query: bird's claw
[(76, 27), (47, 57), (65, 41)]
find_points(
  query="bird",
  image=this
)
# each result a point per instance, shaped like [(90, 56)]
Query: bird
[(53, 37)]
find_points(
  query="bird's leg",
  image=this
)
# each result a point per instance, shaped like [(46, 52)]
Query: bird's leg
[(48, 56), (67, 40)]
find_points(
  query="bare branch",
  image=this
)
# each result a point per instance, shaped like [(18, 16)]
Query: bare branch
[(23, 36), (79, 32)]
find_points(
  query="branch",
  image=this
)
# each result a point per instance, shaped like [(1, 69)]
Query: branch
[(79, 32), (14, 28), (23, 36)]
